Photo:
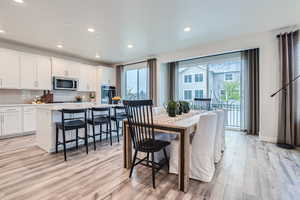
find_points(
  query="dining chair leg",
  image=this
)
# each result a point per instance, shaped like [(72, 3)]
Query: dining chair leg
[(56, 140), (153, 171), (77, 138), (94, 136), (64, 144), (166, 157), (147, 158), (133, 163), (86, 140)]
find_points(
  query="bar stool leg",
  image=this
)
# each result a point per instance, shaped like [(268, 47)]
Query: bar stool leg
[(109, 134), (86, 139), (94, 136), (77, 138), (64, 144), (100, 132), (118, 129), (56, 140)]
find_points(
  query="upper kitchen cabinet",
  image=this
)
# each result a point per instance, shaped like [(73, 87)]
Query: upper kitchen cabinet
[(35, 72), (107, 76), (87, 80), (9, 69), (64, 68)]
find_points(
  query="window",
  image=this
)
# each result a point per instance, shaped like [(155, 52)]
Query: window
[(228, 77), (188, 94), (187, 78), (136, 82), (198, 93), (222, 92), (198, 77)]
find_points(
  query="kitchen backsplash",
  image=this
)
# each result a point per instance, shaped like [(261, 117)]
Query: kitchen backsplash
[(26, 96)]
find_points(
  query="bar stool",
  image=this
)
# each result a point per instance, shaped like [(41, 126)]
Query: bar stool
[(72, 119), (118, 116), (100, 116)]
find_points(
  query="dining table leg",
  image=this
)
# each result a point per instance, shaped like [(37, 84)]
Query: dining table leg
[(127, 146), (184, 160)]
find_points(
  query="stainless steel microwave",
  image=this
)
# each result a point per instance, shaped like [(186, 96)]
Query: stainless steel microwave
[(63, 83)]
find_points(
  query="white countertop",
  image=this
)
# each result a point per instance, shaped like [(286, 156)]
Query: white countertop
[(53, 104), (60, 106)]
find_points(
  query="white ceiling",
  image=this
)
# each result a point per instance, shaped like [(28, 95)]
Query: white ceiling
[(152, 26)]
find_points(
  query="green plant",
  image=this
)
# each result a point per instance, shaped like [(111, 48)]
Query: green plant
[(232, 91), (172, 108), (185, 106)]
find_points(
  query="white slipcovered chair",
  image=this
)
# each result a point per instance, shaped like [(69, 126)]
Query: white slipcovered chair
[(219, 140), (202, 165)]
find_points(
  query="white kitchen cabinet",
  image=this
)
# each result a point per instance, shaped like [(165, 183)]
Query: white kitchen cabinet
[(28, 71), (64, 68), (29, 119), (44, 77), (9, 69), (35, 72), (11, 120), (107, 76), (87, 80)]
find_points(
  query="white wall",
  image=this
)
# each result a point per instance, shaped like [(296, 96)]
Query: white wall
[(269, 72)]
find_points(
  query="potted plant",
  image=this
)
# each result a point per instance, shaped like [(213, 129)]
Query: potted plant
[(179, 109), (172, 107), (185, 106), (92, 97)]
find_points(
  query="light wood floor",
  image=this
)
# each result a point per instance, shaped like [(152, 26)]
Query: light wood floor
[(249, 170)]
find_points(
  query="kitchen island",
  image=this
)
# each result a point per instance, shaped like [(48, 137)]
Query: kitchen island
[(47, 115)]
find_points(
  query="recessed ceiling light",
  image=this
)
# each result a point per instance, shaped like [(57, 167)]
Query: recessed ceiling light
[(59, 46), (130, 46), (97, 56), (91, 30), (187, 29), (2, 31), (19, 1)]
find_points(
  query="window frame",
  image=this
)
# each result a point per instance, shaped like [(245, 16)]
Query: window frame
[(201, 78), (191, 92), (200, 93), (190, 78), (225, 76)]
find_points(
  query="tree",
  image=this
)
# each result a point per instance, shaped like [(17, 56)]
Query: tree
[(232, 91)]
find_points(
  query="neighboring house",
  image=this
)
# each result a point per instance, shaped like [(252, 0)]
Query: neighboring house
[(194, 81)]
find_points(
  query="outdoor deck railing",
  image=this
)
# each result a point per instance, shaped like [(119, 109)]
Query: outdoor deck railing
[(233, 118)]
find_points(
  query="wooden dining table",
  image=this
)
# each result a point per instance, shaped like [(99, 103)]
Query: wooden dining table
[(181, 125)]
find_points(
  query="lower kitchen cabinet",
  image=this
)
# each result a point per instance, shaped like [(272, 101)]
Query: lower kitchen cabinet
[(29, 119), (10, 120)]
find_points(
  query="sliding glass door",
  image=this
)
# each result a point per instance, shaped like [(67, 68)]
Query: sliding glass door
[(136, 82), (215, 77)]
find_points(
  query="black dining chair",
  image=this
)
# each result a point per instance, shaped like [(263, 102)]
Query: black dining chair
[(71, 119), (202, 103), (100, 117), (140, 120), (119, 114)]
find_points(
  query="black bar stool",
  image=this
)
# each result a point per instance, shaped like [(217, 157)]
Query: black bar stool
[(118, 116), (72, 119), (100, 116)]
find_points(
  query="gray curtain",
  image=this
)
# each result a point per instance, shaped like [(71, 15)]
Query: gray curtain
[(172, 82), (152, 80), (289, 123), (250, 86), (119, 71)]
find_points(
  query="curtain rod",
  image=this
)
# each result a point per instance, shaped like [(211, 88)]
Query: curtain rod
[(135, 63), (286, 32), (212, 55)]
